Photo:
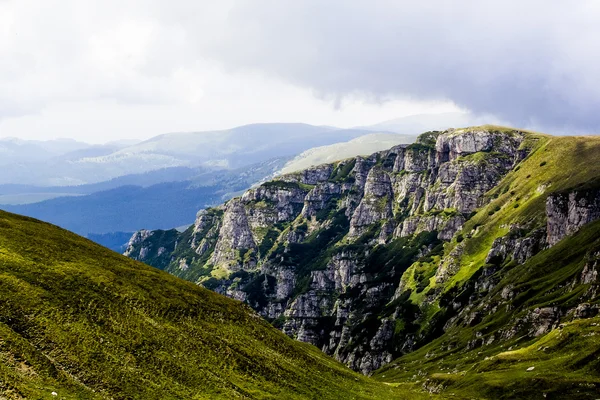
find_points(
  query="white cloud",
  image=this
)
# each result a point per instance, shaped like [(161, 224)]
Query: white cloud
[(100, 70), (530, 62)]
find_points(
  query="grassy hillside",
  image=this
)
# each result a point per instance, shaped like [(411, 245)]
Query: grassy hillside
[(476, 356), (87, 323), (560, 364)]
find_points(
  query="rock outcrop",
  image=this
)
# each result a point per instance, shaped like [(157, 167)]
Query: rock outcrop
[(568, 211), (321, 252)]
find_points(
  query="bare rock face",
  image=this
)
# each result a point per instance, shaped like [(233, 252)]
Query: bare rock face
[(590, 270), (205, 232), (445, 225), (311, 251), (376, 204), (519, 245), (567, 212), (543, 320), (310, 176), (459, 142), (454, 143), (268, 205), (235, 235), (586, 310), (318, 198), (153, 247), (138, 239)]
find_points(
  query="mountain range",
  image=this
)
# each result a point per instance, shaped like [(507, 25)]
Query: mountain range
[(464, 264), (189, 171), (70, 163)]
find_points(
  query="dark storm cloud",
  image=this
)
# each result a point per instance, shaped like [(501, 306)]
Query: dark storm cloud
[(532, 63)]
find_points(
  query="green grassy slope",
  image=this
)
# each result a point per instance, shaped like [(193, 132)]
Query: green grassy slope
[(478, 359), (557, 163), (565, 360), (87, 323)]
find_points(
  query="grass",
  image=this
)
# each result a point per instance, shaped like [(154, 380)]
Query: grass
[(521, 195), (456, 354), (87, 323), (565, 359)]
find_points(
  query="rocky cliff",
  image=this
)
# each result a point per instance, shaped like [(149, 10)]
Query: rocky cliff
[(370, 258)]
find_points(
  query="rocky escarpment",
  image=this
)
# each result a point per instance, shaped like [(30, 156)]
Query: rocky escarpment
[(322, 252), (370, 258)]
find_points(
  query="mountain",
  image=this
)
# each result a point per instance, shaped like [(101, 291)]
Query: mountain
[(14, 150), (224, 149), (15, 194), (244, 145), (127, 208), (414, 124), (363, 145), (135, 201), (465, 263), (78, 321)]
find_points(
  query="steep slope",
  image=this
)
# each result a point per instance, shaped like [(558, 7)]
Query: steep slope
[(528, 331), (80, 322), (321, 252), (432, 244), (518, 287)]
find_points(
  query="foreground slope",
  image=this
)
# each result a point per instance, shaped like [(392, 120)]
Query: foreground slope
[(442, 253), (84, 322)]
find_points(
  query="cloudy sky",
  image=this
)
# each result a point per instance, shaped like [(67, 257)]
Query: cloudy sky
[(103, 70)]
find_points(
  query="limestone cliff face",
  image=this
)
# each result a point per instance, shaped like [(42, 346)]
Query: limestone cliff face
[(569, 211), (321, 253), (376, 203)]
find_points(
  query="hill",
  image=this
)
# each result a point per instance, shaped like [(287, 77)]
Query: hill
[(363, 145), (224, 149), (78, 321), (15, 150), (129, 207), (132, 202), (465, 256)]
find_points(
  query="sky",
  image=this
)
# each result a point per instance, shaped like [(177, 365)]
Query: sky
[(105, 70)]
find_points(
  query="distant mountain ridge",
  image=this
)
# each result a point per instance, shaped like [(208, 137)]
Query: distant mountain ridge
[(130, 202), (125, 207), (363, 145), (66, 162), (15, 150), (225, 149)]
